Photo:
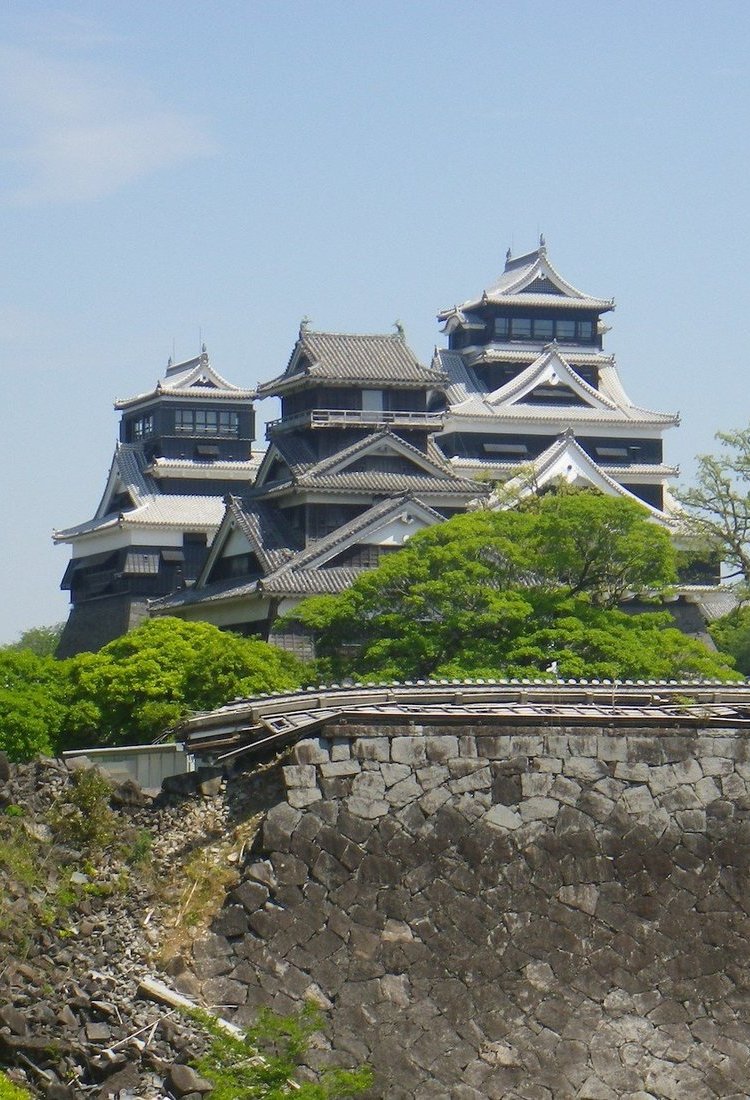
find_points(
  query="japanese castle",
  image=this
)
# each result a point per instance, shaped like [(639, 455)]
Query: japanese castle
[(371, 445)]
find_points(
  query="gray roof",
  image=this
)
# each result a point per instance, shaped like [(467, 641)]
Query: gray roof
[(518, 285), (432, 474), (195, 378), (266, 531), (352, 358)]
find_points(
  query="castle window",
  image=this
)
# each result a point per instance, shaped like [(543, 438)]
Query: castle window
[(206, 422), (501, 326), (543, 329), (585, 330), (520, 328), (143, 426), (566, 330)]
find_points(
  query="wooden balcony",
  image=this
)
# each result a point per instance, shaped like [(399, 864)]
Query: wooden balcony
[(355, 418)]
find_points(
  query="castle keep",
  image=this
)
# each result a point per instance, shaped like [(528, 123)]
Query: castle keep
[(370, 445)]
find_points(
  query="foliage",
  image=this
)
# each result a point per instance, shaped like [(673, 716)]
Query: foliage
[(719, 502), (509, 593), (9, 1091), (83, 815), (265, 1061), (40, 640), (731, 633), (145, 681), (32, 703)]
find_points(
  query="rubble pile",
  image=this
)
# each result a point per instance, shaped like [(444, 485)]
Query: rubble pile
[(79, 935)]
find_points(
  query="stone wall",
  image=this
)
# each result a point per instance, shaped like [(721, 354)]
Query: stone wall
[(494, 912)]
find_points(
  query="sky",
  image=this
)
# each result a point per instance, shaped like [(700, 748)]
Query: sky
[(172, 173)]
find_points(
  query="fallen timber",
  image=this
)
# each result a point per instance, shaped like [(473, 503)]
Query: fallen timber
[(256, 726)]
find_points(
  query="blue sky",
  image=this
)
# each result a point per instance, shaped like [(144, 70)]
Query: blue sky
[(178, 171)]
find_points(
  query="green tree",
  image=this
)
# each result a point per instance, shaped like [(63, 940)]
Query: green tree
[(731, 633), (509, 593), (718, 504), (41, 640), (33, 703), (145, 681)]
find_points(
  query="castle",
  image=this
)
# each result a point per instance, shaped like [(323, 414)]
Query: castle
[(370, 446)]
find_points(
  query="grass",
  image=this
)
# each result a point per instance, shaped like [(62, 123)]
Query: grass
[(9, 1091)]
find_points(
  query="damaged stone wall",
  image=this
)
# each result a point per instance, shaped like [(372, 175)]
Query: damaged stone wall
[(492, 912)]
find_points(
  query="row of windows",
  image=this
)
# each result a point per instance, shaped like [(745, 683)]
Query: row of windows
[(143, 426), (543, 328), (206, 422)]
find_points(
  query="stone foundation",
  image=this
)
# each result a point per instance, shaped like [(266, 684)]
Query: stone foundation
[(488, 912)]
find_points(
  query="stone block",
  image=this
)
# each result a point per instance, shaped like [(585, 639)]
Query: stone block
[(733, 786), (432, 776), (583, 744), (506, 789), (565, 790), (408, 790), (300, 775), (538, 809), (433, 800), (372, 748), (231, 921), (551, 764), (585, 768), (300, 797), (341, 748), (631, 773), (596, 805), (440, 749), (479, 780), (662, 778), (252, 895), (610, 747), (369, 784), (557, 745), (409, 750), (290, 871), (582, 895), (526, 745), (339, 768), (367, 808), (494, 748), (467, 745), (535, 784), (637, 800), (281, 821), (503, 818), (311, 750), (394, 773), (687, 770), (707, 790)]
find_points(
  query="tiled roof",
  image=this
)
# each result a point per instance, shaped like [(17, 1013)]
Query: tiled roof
[(391, 483), (353, 357), (202, 513), (308, 582), (469, 399), (264, 528), (520, 274), (195, 378)]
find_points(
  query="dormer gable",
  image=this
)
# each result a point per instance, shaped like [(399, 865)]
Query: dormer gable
[(544, 379), (565, 461), (381, 446), (127, 483)]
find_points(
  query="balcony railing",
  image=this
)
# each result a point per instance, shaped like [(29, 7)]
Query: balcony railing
[(355, 418)]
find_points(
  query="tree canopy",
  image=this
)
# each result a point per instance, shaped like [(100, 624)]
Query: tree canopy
[(718, 504), (41, 640), (132, 689), (515, 593), (143, 682)]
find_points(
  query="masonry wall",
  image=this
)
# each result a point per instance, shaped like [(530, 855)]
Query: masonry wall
[(489, 912)]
